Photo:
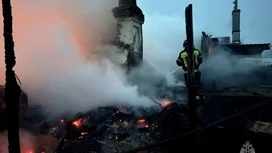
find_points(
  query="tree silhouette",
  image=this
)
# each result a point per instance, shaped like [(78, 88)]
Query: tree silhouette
[(12, 89)]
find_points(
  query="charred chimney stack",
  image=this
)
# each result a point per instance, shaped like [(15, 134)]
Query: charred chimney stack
[(130, 19), (236, 23)]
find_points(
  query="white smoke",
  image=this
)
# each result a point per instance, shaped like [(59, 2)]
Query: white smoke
[(227, 69), (267, 54), (161, 49), (52, 40)]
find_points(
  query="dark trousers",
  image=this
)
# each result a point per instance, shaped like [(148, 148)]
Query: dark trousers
[(197, 78)]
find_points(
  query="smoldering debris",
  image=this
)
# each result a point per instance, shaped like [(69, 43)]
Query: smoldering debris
[(111, 129)]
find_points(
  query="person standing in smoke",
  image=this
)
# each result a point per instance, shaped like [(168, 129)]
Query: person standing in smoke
[(182, 61)]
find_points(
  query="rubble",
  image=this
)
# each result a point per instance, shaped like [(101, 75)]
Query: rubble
[(117, 129), (111, 128)]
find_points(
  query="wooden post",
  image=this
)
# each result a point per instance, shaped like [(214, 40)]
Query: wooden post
[(12, 89), (191, 78)]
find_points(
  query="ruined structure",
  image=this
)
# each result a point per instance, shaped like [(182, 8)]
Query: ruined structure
[(236, 46), (129, 33)]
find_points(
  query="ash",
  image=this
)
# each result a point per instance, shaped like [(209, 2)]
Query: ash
[(115, 129), (110, 129)]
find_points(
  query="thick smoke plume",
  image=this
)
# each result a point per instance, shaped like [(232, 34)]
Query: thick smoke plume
[(228, 70), (52, 41), (161, 49)]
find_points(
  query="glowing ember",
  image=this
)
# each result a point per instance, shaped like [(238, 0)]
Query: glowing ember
[(141, 120), (84, 133), (142, 123), (125, 122), (77, 123), (165, 102), (29, 151)]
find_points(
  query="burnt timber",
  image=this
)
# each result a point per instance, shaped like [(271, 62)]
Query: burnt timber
[(191, 83), (239, 92), (247, 49), (235, 48)]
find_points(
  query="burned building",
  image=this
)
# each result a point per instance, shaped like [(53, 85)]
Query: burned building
[(208, 42), (162, 127), (129, 32), (245, 64)]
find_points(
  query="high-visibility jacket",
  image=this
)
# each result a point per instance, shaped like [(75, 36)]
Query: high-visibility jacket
[(183, 58)]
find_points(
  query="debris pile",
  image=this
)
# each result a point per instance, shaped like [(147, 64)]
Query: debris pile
[(114, 129)]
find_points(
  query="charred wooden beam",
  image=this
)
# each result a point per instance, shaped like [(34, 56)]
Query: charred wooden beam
[(190, 41), (12, 89), (235, 95), (238, 92), (191, 81)]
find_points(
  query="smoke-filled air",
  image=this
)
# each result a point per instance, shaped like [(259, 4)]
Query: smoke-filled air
[(58, 46), (62, 47), (66, 63)]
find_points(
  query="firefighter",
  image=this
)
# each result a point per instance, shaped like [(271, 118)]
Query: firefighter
[(182, 61)]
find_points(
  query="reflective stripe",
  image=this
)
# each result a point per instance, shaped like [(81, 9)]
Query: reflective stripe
[(196, 55), (179, 60), (195, 71), (183, 56)]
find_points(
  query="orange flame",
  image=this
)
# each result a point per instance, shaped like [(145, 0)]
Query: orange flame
[(165, 102), (142, 123), (77, 123), (125, 122), (29, 151)]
